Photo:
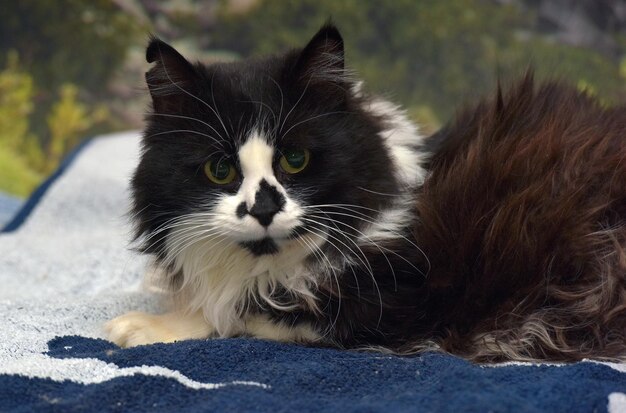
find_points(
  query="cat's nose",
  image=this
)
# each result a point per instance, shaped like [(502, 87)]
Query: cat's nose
[(267, 203)]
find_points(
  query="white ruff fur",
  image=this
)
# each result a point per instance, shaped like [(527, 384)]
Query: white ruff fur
[(219, 279), (403, 141)]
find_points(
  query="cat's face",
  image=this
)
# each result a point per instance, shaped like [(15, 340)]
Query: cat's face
[(260, 153)]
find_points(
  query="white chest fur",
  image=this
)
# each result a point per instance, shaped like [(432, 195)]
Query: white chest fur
[(220, 278)]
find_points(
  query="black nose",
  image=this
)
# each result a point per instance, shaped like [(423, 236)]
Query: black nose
[(267, 203)]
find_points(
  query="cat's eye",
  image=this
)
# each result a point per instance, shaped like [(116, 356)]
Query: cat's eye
[(220, 171), (294, 160)]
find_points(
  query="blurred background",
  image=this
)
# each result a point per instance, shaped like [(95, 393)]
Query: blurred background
[(71, 69)]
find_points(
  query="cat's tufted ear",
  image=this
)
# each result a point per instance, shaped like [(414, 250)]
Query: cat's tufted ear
[(169, 78), (322, 59)]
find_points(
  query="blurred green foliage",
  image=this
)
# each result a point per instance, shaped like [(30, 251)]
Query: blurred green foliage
[(68, 120), (68, 41), (16, 93), (23, 158), (56, 58), (17, 175), (428, 52)]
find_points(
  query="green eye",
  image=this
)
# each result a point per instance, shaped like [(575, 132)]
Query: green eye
[(220, 172), (294, 160)]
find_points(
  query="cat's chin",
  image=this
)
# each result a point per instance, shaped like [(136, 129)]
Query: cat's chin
[(265, 246)]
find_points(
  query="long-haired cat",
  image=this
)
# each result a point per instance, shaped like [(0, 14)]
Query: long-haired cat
[(281, 201)]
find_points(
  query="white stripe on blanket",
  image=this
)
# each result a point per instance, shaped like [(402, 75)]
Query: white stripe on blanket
[(617, 403)]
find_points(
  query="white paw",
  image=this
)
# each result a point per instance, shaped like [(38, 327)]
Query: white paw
[(136, 329)]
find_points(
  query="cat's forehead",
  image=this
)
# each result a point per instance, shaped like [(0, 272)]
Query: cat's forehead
[(251, 78), (255, 156), (242, 100)]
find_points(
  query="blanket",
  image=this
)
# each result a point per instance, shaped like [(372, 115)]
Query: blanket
[(66, 268)]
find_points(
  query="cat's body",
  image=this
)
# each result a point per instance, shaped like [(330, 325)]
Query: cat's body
[(282, 202)]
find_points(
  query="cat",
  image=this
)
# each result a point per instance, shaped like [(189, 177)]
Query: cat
[(283, 202)]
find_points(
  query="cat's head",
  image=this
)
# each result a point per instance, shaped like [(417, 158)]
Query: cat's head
[(261, 152)]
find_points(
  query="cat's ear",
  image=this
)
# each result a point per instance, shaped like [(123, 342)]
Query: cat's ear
[(322, 59), (169, 78)]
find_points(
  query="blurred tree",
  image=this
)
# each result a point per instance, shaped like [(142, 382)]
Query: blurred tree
[(66, 41), (22, 159), (16, 176), (68, 120), (19, 151), (16, 94), (69, 41), (72, 47)]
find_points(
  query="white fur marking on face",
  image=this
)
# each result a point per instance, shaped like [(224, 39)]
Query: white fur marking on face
[(255, 158)]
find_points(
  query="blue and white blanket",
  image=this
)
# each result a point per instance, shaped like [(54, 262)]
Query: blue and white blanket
[(65, 268)]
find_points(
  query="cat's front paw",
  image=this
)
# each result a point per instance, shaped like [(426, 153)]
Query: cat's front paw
[(136, 329)]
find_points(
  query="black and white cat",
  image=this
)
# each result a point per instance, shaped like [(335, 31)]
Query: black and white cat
[(282, 202)]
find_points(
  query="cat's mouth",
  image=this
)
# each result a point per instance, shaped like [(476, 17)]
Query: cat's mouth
[(270, 245)]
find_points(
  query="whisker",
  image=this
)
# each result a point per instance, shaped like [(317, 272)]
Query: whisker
[(365, 263), (214, 104), (179, 243), (184, 131), (188, 118), (265, 105), (393, 273), (399, 235), (380, 248), (280, 89), (313, 118), (336, 278), (380, 193), (294, 106), (363, 260)]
